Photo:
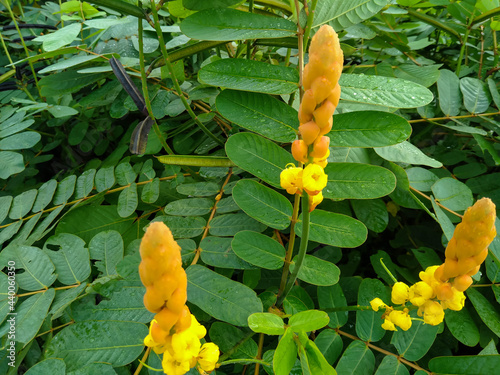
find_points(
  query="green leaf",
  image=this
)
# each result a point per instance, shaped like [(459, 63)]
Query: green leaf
[(63, 299), (285, 354), (44, 197), (487, 146), (128, 201), (310, 320), (494, 92), (414, 343), (452, 194), (258, 249), (372, 213), (184, 227), (391, 366), (59, 38), (358, 181), (477, 97), (466, 365), (250, 75), (199, 189), (83, 343), (368, 129), (357, 359), (260, 113), (487, 312), (227, 337), (22, 204), (405, 152), (30, 315), (20, 141), (190, 207), (317, 363), (107, 248), (94, 368), (208, 4), (103, 218), (297, 300), (67, 82), (331, 297), (85, 183), (329, 343), (263, 204), (5, 203), (124, 303), (342, 14), (105, 179), (12, 163), (230, 224), (421, 179), (423, 75), (462, 326), (368, 322), (64, 190), (72, 260), (231, 24), (221, 297), (52, 366), (383, 91), (217, 252), (334, 229), (258, 156), (450, 98), (317, 271), (151, 191), (36, 264), (125, 174), (267, 323)]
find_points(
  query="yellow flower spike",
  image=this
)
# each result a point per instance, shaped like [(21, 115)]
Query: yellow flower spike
[(432, 312), (377, 304), (208, 357), (401, 319), (400, 293), (291, 179), (314, 179), (420, 293)]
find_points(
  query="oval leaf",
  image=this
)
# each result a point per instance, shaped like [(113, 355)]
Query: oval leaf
[(267, 323), (263, 204), (358, 181), (250, 75), (317, 271), (334, 229), (309, 320), (258, 249), (232, 24), (259, 113)]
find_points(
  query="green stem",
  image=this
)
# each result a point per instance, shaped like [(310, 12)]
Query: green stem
[(462, 51), (13, 17), (347, 308), (145, 92), (196, 161), (310, 18), (249, 42), (302, 250), (171, 71), (243, 361)]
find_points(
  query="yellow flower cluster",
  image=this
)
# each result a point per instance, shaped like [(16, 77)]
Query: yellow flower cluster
[(321, 97), (174, 331), (435, 293)]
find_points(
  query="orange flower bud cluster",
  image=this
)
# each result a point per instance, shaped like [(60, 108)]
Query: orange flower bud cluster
[(321, 97), (468, 247), (165, 280), (174, 331), (464, 254)]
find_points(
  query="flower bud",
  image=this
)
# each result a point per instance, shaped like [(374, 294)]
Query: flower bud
[(309, 132), (299, 151), (320, 147), (323, 114), (307, 107)]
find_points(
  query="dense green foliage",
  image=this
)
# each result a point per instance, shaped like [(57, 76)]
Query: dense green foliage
[(415, 141)]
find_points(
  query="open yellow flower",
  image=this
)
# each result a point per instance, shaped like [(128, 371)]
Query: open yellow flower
[(400, 293), (208, 357), (401, 319), (420, 293), (432, 312), (377, 304), (314, 179), (291, 179)]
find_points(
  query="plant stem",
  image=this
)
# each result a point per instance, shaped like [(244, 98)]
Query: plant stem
[(310, 19), (156, 26), (302, 250)]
